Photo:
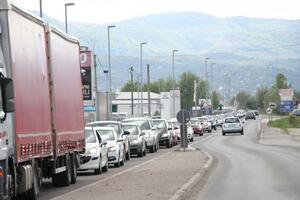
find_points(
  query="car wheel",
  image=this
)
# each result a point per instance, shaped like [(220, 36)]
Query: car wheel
[(242, 133), (123, 160), (223, 133), (145, 152), (209, 131), (141, 153), (118, 164), (99, 169), (105, 168), (152, 149), (128, 155), (168, 144)]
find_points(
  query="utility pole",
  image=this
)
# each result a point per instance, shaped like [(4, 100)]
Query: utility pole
[(95, 88), (107, 92), (173, 84), (131, 75), (66, 14), (142, 98), (225, 88), (207, 58), (149, 98), (212, 85)]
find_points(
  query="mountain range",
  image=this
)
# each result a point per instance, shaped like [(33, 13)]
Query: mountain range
[(251, 50)]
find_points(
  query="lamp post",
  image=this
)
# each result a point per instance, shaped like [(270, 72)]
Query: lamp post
[(206, 59), (106, 72), (173, 84), (142, 103), (41, 8), (66, 14), (211, 84)]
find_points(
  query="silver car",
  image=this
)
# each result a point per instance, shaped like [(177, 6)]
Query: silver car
[(232, 125)]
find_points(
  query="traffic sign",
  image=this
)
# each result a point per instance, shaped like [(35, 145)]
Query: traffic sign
[(272, 105), (183, 116), (269, 111)]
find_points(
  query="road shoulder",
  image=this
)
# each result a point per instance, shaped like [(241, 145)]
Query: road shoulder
[(170, 176)]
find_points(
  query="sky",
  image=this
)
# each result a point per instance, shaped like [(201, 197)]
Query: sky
[(107, 11)]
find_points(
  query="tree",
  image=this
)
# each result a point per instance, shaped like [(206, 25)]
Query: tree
[(127, 87), (215, 100), (242, 98), (186, 84), (260, 98), (281, 81)]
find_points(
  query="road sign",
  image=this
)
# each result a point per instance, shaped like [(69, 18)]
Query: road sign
[(272, 105), (269, 111), (183, 116), (286, 106)]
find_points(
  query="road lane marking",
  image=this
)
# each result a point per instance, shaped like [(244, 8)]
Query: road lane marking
[(192, 181), (204, 139), (110, 177)]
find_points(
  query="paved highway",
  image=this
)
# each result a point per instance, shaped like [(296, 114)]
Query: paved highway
[(247, 170)]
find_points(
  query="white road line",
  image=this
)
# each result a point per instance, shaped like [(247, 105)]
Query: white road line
[(192, 181), (110, 177), (204, 139)]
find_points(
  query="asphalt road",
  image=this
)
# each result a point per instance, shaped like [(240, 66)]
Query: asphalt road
[(246, 170), (86, 178)]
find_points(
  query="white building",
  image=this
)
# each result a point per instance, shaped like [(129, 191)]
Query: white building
[(122, 103)]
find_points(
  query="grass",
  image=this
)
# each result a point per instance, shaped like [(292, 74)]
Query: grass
[(285, 123)]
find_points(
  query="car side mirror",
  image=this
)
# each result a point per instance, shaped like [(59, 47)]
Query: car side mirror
[(154, 129), (243, 122), (126, 133), (176, 128), (104, 143), (120, 140), (142, 134), (7, 88), (169, 129)]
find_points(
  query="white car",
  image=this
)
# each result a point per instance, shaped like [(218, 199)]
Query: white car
[(96, 155), (114, 145), (232, 125)]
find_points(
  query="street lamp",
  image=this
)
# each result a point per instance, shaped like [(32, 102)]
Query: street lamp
[(66, 14), (206, 59), (142, 103), (41, 8), (173, 84), (106, 72), (108, 45), (211, 84), (109, 66)]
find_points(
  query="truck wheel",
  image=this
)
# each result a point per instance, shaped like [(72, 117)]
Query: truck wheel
[(73, 169), (35, 190), (63, 178)]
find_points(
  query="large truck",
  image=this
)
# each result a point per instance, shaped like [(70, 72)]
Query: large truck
[(41, 104)]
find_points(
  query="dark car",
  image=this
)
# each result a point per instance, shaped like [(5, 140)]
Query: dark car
[(117, 125), (136, 139), (165, 138), (256, 113), (250, 115)]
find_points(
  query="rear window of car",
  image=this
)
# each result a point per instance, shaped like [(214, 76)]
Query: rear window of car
[(160, 124), (131, 129), (106, 134), (232, 120)]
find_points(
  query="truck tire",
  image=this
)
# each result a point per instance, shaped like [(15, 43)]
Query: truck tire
[(63, 178), (35, 190), (73, 168)]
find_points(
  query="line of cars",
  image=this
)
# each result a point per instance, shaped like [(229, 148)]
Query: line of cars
[(114, 142)]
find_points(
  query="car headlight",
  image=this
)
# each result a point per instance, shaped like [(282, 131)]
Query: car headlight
[(164, 135), (111, 149), (92, 150), (134, 141)]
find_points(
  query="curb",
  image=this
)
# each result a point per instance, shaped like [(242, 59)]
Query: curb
[(194, 180)]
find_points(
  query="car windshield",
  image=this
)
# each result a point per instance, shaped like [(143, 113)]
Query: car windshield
[(194, 121), (90, 136), (106, 134), (160, 124), (176, 124), (232, 120), (131, 129)]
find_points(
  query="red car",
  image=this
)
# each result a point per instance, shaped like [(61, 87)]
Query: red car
[(197, 127)]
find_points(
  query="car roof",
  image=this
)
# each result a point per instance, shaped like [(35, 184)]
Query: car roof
[(136, 118), (103, 122), (130, 124)]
